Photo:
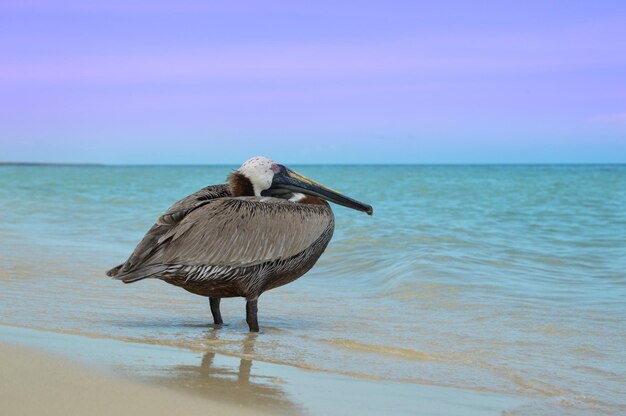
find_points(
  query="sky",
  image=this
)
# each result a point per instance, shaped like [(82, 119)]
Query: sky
[(203, 82)]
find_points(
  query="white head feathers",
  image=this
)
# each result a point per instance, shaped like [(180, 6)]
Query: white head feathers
[(260, 171)]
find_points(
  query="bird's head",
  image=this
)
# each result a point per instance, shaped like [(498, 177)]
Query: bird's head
[(260, 176)]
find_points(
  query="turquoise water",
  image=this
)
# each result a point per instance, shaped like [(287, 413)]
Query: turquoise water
[(499, 279)]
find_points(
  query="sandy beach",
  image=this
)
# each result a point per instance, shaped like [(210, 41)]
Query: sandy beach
[(72, 374), (35, 382)]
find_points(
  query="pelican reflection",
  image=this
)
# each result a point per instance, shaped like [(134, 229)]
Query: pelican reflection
[(224, 378)]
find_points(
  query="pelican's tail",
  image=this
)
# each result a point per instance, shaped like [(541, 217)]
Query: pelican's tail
[(132, 276), (114, 271)]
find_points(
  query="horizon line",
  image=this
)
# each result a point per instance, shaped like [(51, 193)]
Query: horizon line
[(90, 164)]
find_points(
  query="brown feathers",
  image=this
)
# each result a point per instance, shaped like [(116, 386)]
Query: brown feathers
[(309, 199), (240, 185)]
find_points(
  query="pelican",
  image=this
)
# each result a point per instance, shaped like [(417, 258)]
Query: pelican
[(264, 228)]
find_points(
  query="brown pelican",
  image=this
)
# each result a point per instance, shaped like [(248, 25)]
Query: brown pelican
[(265, 228)]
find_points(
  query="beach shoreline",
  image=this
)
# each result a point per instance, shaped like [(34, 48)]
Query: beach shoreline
[(34, 381), (73, 374)]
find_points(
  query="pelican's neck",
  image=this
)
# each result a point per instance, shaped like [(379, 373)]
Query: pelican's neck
[(240, 185)]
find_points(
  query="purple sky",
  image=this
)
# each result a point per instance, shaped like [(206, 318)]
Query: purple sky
[(313, 81)]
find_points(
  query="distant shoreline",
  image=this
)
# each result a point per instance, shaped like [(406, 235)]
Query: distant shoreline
[(87, 164), (48, 164)]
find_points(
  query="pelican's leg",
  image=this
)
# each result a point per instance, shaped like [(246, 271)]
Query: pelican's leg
[(251, 319), (215, 310)]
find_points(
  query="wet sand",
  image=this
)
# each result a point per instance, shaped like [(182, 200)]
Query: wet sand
[(34, 382), (71, 374)]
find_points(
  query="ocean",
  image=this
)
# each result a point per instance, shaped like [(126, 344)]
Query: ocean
[(504, 279)]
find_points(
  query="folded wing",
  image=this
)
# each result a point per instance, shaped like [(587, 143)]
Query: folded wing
[(228, 231), (244, 231), (146, 248)]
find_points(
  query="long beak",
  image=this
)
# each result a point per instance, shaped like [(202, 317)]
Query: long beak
[(293, 181)]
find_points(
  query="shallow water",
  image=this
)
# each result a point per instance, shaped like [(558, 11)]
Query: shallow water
[(503, 279), (260, 386)]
